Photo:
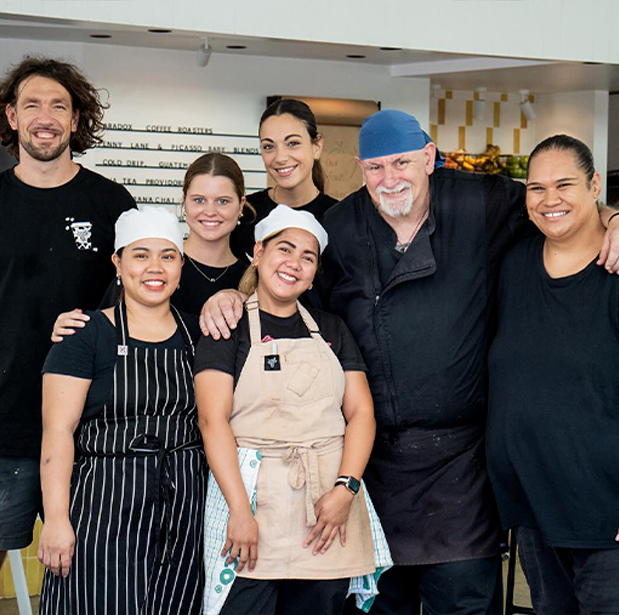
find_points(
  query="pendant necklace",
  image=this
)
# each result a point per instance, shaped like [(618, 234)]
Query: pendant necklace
[(213, 280), (402, 247)]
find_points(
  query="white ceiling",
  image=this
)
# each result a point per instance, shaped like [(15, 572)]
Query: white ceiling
[(455, 72)]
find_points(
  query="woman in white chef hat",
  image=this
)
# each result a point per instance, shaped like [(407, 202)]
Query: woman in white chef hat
[(289, 389), (122, 465)]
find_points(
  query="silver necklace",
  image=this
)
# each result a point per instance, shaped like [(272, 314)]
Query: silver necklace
[(213, 280), (402, 247)]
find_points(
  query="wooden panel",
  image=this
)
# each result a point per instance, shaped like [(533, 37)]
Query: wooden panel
[(338, 111), (469, 113), (339, 160), (523, 120), (441, 111), (461, 137)]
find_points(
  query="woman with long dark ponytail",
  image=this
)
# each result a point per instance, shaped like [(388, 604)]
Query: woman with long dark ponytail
[(291, 147)]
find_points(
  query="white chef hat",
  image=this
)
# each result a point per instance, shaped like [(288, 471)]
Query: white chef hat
[(148, 222), (284, 217)]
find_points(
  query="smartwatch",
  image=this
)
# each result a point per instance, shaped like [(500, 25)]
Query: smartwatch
[(350, 482)]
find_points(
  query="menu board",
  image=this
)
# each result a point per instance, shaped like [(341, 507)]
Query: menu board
[(150, 159)]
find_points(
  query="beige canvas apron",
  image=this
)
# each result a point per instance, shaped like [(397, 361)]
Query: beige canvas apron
[(293, 415)]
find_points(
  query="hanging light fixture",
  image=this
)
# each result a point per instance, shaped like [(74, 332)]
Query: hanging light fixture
[(204, 53), (526, 106)]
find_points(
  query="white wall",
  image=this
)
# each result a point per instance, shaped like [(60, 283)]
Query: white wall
[(579, 30), (583, 115), (164, 87), (613, 133)]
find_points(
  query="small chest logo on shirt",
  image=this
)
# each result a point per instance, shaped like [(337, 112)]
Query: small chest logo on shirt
[(271, 363), (82, 234)]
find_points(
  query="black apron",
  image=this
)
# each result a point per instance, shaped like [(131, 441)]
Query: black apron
[(137, 492)]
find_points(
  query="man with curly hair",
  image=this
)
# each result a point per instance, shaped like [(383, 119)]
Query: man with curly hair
[(56, 238)]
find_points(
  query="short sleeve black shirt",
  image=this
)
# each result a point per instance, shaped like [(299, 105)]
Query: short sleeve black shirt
[(553, 437), (229, 356), (55, 248)]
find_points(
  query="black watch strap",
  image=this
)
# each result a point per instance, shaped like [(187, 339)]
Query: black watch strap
[(350, 482)]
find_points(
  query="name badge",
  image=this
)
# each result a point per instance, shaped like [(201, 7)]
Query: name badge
[(123, 351), (272, 363)]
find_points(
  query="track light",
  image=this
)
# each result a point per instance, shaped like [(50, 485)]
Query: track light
[(204, 53), (526, 106), (479, 105)]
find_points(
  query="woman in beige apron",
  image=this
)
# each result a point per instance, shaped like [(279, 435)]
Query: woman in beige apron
[(312, 422)]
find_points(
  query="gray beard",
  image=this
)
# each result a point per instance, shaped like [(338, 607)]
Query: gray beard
[(392, 212)]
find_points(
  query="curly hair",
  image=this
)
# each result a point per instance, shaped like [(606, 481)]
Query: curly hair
[(84, 98)]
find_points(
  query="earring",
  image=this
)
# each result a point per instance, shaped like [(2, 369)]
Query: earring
[(238, 222), (310, 287), (178, 287), (118, 281)]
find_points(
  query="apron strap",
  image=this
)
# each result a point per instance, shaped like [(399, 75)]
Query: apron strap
[(304, 471), (184, 331), (255, 330), (310, 323), (253, 314), (122, 329)]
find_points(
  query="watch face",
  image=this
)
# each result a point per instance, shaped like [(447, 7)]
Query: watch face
[(354, 484)]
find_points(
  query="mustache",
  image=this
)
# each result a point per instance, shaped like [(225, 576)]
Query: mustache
[(395, 189), (45, 127)]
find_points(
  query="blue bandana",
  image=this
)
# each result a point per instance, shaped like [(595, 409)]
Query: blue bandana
[(393, 132)]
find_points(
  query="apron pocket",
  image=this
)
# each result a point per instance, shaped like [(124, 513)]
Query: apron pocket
[(303, 378)]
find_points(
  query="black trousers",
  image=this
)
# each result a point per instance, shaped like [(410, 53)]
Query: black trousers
[(566, 581), (470, 587), (286, 597)]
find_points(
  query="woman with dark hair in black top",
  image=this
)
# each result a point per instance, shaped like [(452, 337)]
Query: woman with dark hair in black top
[(291, 147), (552, 439)]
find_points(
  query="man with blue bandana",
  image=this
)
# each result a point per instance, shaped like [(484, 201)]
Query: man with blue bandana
[(412, 269)]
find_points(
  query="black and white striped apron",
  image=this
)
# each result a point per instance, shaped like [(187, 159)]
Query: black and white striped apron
[(137, 492)]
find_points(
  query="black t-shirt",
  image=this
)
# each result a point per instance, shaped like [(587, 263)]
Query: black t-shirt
[(229, 356), (553, 428), (91, 354), (195, 289), (55, 248), (242, 239)]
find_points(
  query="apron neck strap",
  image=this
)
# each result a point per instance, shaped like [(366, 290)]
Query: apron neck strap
[(255, 330), (122, 328), (253, 314), (310, 323), (184, 331)]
